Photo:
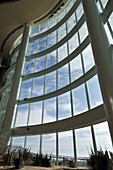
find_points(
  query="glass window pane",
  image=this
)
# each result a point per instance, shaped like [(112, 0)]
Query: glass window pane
[(94, 92), (22, 114), (66, 143), (84, 142), (50, 82), (42, 44), (83, 32), (40, 63), (63, 76), (79, 100), (88, 58), (64, 106), (33, 143), (32, 49), (50, 110), (73, 43), (102, 135), (61, 15), (61, 32), (71, 22), (43, 27), (29, 67), (76, 68), (52, 22), (4, 97), (35, 113), (10, 76), (69, 6), (79, 11), (26, 89), (62, 52), (51, 59), (38, 86), (14, 58), (49, 144), (35, 31), (51, 39), (18, 141)]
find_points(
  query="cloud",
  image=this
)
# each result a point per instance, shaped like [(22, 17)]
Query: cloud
[(83, 31), (51, 39), (88, 58), (63, 76), (62, 32), (35, 113), (32, 47), (40, 63), (62, 52), (35, 31), (18, 141), (43, 27), (50, 82), (79, 11), (71, 22), (42, 44), (73, 43), (94, 92), (26, 89)]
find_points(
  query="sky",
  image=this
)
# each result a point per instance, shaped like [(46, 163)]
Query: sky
[(83, 136)]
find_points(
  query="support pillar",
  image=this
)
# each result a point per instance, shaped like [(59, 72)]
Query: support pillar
[(103, 55), (5, 130), (75, 150), (94, 141), (57, 149)]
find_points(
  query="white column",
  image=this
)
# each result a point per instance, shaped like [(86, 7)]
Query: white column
[(103, 54), (5, 131)]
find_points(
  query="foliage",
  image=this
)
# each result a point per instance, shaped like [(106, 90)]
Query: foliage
[(42, 160), (19, 157), (19, 163), (16, 156), (99, 161), (26, 154)]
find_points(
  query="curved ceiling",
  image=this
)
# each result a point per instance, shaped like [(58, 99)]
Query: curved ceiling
[(19, 12), (14, 14)]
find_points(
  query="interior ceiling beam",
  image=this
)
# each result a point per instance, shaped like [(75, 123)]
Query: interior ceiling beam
[(7, 1)]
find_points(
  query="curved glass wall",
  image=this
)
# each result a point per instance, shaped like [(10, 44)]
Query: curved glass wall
[(7, 80), (56, 84)]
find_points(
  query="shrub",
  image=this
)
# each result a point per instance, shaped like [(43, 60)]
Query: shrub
[(19, 163), (16, 155), (98, 161), (42, 161)]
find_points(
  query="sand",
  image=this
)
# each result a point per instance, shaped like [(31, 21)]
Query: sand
[(38, 168)]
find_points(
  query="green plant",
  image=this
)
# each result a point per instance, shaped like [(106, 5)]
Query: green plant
[(98, 161)]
